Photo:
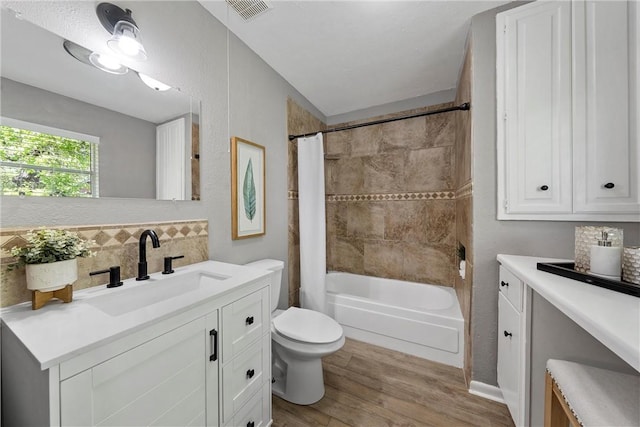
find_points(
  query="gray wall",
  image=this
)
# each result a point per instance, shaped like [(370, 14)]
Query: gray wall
[(241, 96), (491, 237), (127, 152), (441, 97)]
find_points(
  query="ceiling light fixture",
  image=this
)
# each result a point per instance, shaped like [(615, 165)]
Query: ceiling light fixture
[(153, 83), (103, 62), (125, 38)]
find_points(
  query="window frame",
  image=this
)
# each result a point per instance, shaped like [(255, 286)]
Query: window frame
[(63, 133)]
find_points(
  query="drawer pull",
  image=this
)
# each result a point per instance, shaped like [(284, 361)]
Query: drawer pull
[(544, 187), (251, 424), (503, 283), (508, 334), (213, 335), (250, 373), (609, 185), (249, 320)]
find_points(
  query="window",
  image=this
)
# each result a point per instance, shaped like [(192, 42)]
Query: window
[(39, 160)]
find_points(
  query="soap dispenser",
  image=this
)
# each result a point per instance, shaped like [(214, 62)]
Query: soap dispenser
[(606, 260)]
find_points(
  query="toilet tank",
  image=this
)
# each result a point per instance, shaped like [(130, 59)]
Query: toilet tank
[(276, 266)]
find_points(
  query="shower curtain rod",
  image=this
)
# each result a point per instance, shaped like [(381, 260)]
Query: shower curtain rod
[(465, 106)]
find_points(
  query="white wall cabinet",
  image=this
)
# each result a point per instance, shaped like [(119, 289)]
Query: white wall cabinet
[(512, 345), (567, 95), (169, 373)]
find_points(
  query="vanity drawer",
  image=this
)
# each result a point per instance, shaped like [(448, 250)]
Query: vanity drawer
[(244, 376), (511, 287), (243, 321), (255, 413)]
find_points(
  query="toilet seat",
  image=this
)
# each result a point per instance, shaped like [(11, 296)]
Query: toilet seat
[(307, 326)]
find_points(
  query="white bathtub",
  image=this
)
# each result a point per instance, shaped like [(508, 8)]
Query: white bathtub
[(418, 319)]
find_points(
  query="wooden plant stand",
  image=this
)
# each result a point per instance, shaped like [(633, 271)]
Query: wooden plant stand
[(39, 299)]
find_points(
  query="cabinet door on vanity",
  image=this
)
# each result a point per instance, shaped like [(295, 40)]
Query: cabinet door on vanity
[(512, 350), (161, 382), (606, 57), (534, 109)]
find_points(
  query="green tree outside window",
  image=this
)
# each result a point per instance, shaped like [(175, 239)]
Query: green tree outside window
[(42, 164)]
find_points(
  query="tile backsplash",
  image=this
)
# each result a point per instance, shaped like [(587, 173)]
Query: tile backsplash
[(116, 244)]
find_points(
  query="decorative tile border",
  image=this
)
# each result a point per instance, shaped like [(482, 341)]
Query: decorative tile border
[(432, 195), (116, 244), (465, 191), (110, 235)]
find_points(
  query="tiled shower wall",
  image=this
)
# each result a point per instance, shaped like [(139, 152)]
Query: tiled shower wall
[(115, 245), (391, 209), (299, 121), (464, 203)]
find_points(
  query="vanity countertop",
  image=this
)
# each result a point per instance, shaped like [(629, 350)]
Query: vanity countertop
[(59, 331), (613, 318)]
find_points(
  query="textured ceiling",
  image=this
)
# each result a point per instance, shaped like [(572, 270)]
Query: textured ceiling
[(349, 55)]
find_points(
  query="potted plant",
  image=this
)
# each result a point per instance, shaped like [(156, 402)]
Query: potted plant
[(50, 258)]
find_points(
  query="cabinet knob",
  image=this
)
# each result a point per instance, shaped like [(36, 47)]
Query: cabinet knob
[(508, 334), (609, 185), (503, 283), (249, 320), (250, 373), (544, 187), (251, 424)]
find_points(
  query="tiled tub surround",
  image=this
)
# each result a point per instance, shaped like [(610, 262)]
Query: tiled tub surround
[(391, 208), (464, 203), (115, 245)]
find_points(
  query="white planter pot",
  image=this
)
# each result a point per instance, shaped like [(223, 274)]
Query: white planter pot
[(51, 276)]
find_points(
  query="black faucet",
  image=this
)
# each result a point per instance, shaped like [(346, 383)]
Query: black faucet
[(142, 263), (114, 276)]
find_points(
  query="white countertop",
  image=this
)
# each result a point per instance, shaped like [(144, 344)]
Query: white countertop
[(613, 318), (59, 331)]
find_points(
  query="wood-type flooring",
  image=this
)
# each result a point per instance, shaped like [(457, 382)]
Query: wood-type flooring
[(371, 386)]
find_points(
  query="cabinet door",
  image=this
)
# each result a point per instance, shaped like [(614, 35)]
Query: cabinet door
[(606, 55), (161, 382), (534, 109), (509, 347)]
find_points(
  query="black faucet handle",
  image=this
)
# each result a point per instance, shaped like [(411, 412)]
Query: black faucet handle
[(168, 269), (114, 276)]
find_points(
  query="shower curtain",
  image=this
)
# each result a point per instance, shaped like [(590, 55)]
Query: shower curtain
[(313, 254)]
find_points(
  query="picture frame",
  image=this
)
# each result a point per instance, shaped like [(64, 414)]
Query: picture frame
[(248, 196)]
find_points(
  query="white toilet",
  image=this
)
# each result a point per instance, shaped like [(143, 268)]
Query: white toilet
[(299, 339)]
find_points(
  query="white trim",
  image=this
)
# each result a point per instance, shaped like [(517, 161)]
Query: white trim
[(485, 390), (34, 127)]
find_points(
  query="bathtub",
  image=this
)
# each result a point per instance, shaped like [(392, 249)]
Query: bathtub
[(418, 319)]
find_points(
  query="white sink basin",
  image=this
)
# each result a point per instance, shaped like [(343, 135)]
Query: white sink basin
[(153, 291)]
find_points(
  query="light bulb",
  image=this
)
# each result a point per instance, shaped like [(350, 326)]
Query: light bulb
[(128, 46), (126, 41), (107, 63)]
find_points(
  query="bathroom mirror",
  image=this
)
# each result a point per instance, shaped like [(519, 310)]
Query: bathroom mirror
[(137, 142)]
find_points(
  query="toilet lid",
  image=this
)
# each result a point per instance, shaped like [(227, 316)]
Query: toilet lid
[(307, 326)]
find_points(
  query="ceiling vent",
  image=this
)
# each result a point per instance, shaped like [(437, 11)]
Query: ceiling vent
[(249, 9)]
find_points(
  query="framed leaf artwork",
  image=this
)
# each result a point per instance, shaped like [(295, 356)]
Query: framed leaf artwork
[(247, 189)]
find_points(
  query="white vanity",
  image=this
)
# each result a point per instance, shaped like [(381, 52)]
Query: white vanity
[(190, 348), (543, 316)]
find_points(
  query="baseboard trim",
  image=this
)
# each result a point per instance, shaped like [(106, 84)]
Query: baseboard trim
[(485, 390)]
